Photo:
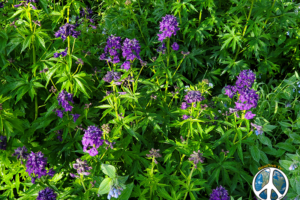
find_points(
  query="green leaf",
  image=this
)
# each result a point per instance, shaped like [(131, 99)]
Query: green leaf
[(105, 186), (295, 137), (44, 5), (26, 43), (264, 157), (125, 195), (265, 140), (109, 170), (255, 153), (286, 146), (285, 163)]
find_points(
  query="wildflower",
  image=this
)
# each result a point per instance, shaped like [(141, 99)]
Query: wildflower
[(204, 106), (113, 44), (220, 193), (154, 154), (185, 117), (56, 55), (211, 85), (36, 164), (82, 167), (59, 113), (197, 157), (105, 128), (108, 92), (126, 65), (78, 127), (153, 96), (114, 192), (44, 70), (288, 105), (111, 75), (193, 96), (168, 27), (185, 53), (37, 22), (10, 60), (46, 194), (109, 144), (93, 27), (1, 5), (162, 49), (248, 99), (64, 98), (20, 152), (184, 105), (131, 49), (122, 93), (59, 135), (67, 30), (229, 91), (293, 167), (225, 152), (53, 90), (79, 61), (175, 46), (249, 115), (64, 53), (75, 117), (288, 33), (92, 138), (87, 106), (3, 142)]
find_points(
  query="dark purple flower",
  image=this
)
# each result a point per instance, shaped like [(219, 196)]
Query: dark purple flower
[(109, 144), (175, 46), (59, 135), (64, 53), (64, 98), (131, 49), (219, 193), (110, 50), (46, 194), (126, 65), (168, 27), (162, 48), (75, 117), (193, 96), (92, 138), (3, 142), (196, 157), (59, 113), (112, 75), (56, 55), (249, 115), (20, 152), (18, 5), (36, 164), (67, 30), (1, 5), (229, 91)]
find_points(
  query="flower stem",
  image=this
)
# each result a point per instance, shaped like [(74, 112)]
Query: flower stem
[(189, 181), (82, 182)]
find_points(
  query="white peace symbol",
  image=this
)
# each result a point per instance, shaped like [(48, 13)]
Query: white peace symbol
[(270, 186)]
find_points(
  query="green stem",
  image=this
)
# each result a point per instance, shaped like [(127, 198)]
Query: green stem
[(178, 67), (168, 59), (200, 15), (82, 182), (189, 182)]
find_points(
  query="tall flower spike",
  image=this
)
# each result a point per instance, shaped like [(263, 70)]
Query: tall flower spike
[(92, 138), (220, 193), (20, 152), (168, 27), (67, 30)]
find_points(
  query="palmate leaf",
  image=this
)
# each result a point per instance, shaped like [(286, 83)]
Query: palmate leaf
[(231, 39)]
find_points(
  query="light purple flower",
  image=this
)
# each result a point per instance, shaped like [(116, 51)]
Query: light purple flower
[(249, 115), (168, 27)]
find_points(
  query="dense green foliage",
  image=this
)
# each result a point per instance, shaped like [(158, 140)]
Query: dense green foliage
[(223, 37)]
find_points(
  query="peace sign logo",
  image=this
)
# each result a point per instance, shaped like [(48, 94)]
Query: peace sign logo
[(270, 184)]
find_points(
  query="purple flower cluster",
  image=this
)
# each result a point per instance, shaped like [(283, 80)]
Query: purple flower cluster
[(1, 5), (193, 96), (92, 138), (63, 54), (81, 167), (3, 142), (247, 97), (131, 49), (110, 51), (63, 99), (186, 117), (112, 75), (168, 27), (220, 193), (154, 153), (36, 164), (67, 30), (175, 46), (196, 157), (46, 194), (20, 152)]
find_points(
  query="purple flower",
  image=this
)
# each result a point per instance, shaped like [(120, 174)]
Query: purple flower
[(67, 30), (112, 75), (248, 99), (59, 113), (20, 152), (122, 93), (131, 49), (74, 175), (92, 138), (229, 91), (1, 5), (184, 105), (293, 167), (162, 48), (175, 46), (193, 96), (75, 117), (59, 135), (196, 157), (81, 167), (112, 45), (249, 115), (46, 194), (64, 98), (168, 27), (185, 117), (56, 55), (109, 144), (64, 53), (3, 142), (154, 153), (126, 65), (36, 164), (220, 193)]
